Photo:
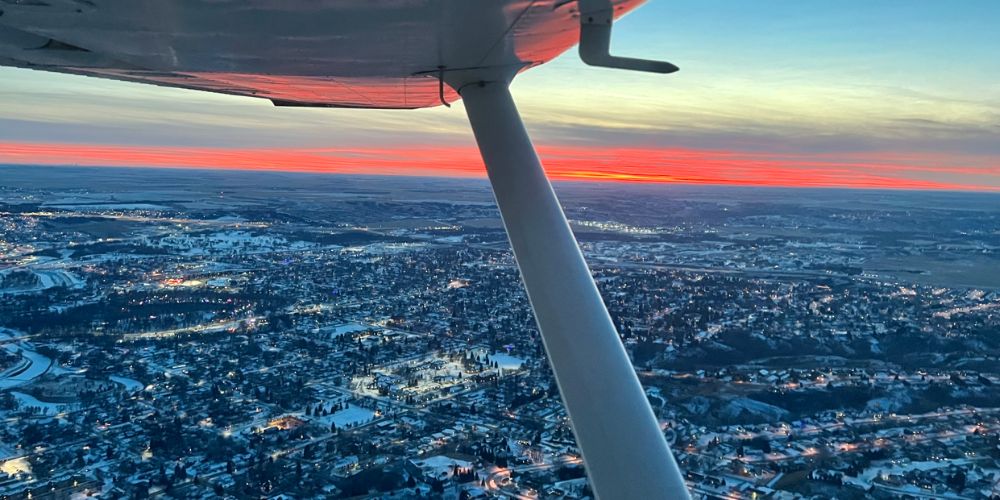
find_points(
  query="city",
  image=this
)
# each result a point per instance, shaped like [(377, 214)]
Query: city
[(203, 334)]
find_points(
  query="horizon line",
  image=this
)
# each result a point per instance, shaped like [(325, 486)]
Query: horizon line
[(554, 180), (888, 170)]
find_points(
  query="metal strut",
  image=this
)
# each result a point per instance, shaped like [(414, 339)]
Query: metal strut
[(623, 447)]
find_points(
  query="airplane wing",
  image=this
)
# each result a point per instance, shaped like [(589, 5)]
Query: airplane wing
[(327, 53), (404, 54)]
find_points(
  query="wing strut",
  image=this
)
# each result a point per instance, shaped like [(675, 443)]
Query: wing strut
[(623, 447)]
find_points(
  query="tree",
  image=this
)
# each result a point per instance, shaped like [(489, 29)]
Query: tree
[(437, 486), (180, 472), (957, 480)]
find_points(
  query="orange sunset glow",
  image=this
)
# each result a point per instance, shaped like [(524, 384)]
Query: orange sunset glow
[(668, 165)]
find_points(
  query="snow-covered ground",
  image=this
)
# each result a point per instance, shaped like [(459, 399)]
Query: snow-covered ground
[(506, 361), (440, 466), (738, 407), (32, 365), (16, 466), (57, 277), (48, 278), (106, 206), (352, 415), (131, 385), (201, 244), (393, 248), (336, 331), (867, 477), (26, 401)]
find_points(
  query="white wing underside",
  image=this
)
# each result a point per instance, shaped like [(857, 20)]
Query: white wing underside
[(334, 53)]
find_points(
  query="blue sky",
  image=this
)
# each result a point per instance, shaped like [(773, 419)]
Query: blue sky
[(913, 86)]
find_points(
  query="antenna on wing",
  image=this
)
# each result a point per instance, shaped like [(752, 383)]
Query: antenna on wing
[(596, 17), (441, 87)]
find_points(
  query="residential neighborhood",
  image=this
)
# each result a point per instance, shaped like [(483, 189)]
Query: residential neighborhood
[(375, 344)]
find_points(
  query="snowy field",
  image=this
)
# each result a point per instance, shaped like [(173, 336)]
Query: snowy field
[(32, 365), (507, 362), (131, 385), (885, 468), (58, 277), (393, 248), (352, 415), (49, 278), (204, 244), (106, 206), (28, 402), (15, 466), (336, 331), (440, 466)]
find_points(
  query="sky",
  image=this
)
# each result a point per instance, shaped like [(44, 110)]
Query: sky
[(854, 93)]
